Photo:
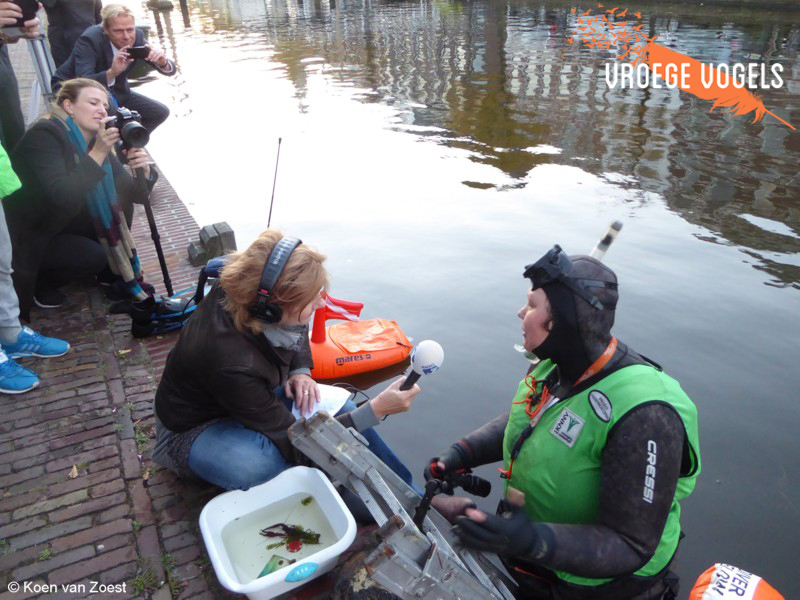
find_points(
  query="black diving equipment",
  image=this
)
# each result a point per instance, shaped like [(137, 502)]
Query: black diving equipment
[(554, 267), (472, 484)]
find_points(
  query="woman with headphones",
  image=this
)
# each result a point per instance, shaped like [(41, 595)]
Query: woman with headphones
[(223, 406)]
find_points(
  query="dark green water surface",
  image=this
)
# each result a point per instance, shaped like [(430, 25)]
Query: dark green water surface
[(433, 148)]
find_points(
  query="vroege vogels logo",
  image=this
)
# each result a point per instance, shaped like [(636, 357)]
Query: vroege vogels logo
[(643, 63)]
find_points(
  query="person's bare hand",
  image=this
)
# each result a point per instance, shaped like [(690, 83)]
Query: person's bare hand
[(157, 57), (30, 31), (392, 401), (120, 62), (10, 13), (106, 139), (304, 391), (137, 159)]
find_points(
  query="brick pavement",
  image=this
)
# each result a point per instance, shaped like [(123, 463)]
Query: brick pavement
[(120, 520)]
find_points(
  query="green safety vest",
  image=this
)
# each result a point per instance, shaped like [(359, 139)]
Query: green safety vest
[(9, 182), (558, 467)]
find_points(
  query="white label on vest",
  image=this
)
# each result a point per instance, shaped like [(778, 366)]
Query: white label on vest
[(567, 427), (601, 405)]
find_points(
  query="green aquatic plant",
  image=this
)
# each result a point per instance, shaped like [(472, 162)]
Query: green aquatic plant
[(291, 535)]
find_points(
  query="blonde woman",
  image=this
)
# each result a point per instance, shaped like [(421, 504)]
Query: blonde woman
[(223, 406), (70, 219)]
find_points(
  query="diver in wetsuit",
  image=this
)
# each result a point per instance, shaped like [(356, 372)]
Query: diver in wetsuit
[(601, 443)]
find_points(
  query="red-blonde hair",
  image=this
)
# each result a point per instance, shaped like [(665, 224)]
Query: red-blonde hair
[(302, 279)]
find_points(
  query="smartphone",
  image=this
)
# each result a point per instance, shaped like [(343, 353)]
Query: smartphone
[(139, 52), (29, 8)]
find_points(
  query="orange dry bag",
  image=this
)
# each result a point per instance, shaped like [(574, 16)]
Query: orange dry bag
[(726, 582)]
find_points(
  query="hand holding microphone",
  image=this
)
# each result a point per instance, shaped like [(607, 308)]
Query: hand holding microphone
[(427, 357)]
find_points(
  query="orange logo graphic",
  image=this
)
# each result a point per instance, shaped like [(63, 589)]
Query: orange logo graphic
[(725, 86)]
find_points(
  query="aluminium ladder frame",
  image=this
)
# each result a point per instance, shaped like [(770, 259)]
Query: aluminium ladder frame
[(410, 563)]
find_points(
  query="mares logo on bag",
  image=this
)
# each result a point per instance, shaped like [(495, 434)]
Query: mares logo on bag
[(567, 427), (601, 405)]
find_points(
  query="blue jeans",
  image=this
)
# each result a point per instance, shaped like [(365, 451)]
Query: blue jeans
[(233, 457)]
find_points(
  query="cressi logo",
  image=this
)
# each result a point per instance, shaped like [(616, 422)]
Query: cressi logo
[(642, 63), (650, 472)]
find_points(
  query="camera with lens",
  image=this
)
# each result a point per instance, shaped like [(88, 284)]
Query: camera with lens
[(131, 131)]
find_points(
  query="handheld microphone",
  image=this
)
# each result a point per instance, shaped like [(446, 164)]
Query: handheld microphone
[(427, 357)]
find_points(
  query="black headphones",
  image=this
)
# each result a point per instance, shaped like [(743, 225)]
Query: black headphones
[(264, 308)]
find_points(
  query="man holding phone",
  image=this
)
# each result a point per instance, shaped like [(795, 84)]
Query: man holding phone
[(14, 24), (106, 53)]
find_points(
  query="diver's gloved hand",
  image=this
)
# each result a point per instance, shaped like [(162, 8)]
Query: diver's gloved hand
[(510, 533), (456, 458)]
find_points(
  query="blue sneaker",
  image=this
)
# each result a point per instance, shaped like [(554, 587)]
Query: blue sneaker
[(13, 378), (31, 343)]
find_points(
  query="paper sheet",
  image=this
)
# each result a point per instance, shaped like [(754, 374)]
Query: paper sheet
[(331, 400)]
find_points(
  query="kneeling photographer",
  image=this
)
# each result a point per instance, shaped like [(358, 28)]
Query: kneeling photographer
[(71, 218)]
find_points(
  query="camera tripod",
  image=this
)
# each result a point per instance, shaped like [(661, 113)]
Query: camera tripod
[(154, 235)]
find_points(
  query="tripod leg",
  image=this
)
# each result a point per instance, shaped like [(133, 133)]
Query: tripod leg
[(151, 221)]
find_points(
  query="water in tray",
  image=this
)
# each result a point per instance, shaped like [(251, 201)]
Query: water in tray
[(247, 548)]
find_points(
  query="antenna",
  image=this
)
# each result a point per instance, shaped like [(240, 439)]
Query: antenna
[(274, 179)]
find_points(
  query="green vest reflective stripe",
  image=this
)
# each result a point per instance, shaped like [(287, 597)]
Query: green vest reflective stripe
[(558, 467)]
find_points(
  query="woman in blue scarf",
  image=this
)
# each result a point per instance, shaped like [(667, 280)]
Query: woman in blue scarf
[(71, 218)]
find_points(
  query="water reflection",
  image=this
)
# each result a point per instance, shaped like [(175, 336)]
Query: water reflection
[(431, 148), (497, 79)]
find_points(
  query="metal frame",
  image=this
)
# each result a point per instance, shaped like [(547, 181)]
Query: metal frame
[(411, 563), (44, 66)]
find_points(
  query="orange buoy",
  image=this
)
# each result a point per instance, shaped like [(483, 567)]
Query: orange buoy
[(355, 346), (726, 581)]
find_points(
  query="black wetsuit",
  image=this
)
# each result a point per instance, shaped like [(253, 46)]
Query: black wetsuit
[(627, 530)]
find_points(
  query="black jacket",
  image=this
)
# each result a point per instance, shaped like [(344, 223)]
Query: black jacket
[(215, 371), (55, 182), (66, 21), (92, 57)]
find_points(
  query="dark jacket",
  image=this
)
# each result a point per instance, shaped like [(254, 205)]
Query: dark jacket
[(66, 21), (92, 57), (12, 122), (216, 371), (55, 183)]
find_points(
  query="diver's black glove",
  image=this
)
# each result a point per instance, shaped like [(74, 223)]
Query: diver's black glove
[(510, 533), (457, 457)]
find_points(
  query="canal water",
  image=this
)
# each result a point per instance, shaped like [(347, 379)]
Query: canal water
[(432, 148)]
